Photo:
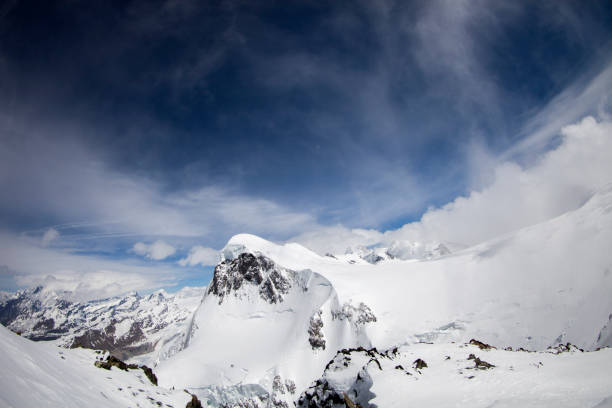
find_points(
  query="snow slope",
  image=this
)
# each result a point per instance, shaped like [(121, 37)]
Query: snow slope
[(43, 375), (533, 288)]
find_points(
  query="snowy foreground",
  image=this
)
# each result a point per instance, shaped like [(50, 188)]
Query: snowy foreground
[(280, 326), (36, 375), (44, 375), (453, 379)]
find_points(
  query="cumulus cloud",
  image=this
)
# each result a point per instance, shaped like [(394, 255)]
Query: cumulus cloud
[(50, 235), (200, 255), (157, 251)]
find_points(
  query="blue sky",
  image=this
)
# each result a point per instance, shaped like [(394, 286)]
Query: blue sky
[(184, 122)]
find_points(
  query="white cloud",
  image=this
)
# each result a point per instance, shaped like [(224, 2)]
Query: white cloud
[(109, 202), (200, 255), (88, 276), (561, 180), (158, 250), (50, 235), (337, 239), (589, 93), (98, 284)]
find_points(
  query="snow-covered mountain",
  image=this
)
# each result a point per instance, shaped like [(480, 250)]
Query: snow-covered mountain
[(281, 325), (257, 312), (277, 314), (152, 327), (398, 249)]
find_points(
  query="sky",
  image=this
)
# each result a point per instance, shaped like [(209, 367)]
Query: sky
[(137, 137)]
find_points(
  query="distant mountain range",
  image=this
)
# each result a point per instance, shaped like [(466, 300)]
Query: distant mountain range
[(127, 326)]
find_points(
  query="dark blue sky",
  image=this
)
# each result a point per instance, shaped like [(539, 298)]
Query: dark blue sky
[(360, 114)]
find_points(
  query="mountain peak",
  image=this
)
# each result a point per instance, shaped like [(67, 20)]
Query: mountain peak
[(257, 270), (290, 255)]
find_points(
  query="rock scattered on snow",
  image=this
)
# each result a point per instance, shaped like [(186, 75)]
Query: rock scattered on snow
[(481, 345), (112, 361)]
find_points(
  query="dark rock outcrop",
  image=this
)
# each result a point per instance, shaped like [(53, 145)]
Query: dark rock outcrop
[(321, 395), (480, 364), (315, 333), (112, 361), (149, 373), (419, 364), (194, 403), (481, 345), (126, 346), (257, 270)]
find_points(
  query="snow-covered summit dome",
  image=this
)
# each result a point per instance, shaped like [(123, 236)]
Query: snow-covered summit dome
[(290, 255)]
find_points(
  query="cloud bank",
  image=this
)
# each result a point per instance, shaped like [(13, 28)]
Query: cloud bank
[(25, 262), (562, 180), (559, 181)]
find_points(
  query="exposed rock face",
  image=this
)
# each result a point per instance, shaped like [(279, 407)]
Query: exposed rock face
[(256, 270), (112, 361), (419, 364), (25, 312), (315, 333), (480, 364), (345, 380), (132, 344), (360, 314), (125, 326), (321, 395), (563, 348), (194, 403), (604, 339), (481, 345)]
